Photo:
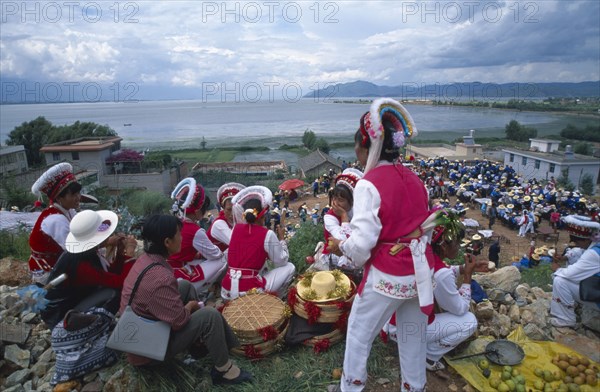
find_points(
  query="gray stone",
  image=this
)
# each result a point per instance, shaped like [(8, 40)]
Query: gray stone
[(14, 333), (29, 318), (495, 295), (95, 386), (540, 294), (502, 323), (41, 368), (539, 313), (38, 349), (15, 388), (17, 378), (486, 330), (508, 299), (45, 387), (514, 313), (534, 332), (47, 356), (522, 290), (28, 386), (14, 354), (90, 377), (502, 309), (8, 300), (590, 316), (484, 310), (506, 279)]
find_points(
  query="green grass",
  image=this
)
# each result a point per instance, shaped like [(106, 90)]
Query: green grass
[(290, 370), (212, 155), (540, 276), (15, 244)]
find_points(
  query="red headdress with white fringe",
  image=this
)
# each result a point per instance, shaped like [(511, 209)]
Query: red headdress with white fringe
[(227, 191), (349, 178), (54, 181), (255, 192), (189, 196)]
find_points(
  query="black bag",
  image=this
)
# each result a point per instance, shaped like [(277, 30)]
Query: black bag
[(589, 289)]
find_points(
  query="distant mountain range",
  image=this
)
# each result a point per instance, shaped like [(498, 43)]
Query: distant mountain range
[(472, 90), (13, 90)]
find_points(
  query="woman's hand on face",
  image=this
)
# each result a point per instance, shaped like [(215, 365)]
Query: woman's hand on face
[(339, 211)]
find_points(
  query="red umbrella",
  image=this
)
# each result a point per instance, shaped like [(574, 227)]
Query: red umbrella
[(293, 183)]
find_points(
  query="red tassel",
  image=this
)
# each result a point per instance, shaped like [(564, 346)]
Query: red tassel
[(384, 336), (342, 322), (267, 333), (313, 311), (292, 299), (321, 346), (252, 352)]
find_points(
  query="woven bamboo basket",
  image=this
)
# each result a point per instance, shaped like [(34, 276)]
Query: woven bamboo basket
[(330, 312), (334, 337), (248, 314), (264, 348)]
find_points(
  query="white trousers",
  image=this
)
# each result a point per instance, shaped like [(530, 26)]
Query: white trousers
[(522, 230), (277, 280), (370, 311), (444, 334), (213, 271), (562, 307)]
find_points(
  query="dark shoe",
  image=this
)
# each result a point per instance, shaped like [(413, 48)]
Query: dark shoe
[(218, 379)]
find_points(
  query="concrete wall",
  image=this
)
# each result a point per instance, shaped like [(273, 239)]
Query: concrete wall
[(13, 163), (88, 160), (544, 146)]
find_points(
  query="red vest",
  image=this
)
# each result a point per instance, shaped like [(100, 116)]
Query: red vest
[(187, 252), (43, 247), (215, 241), (328, 234), (247, 253), (404, 207)]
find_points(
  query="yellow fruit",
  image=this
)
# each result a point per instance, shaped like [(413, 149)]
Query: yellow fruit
[(520, 379), (591, 380), (579, 380), (573, 361), (515, 372), (494, 382), (573, 387), (506, 376), (538, 384), (548, 376), (581, 368), (520, 388), (503, 387), (507, 369), (584, 361), (484, 364), (538, 372), (563, 357), (563, 365), (336, 373), (511, 385), (572, 371), (568, 380)]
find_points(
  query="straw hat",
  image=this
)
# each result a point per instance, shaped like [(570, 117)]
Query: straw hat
[(476, 237), (89, 229), (527, 198), (510, 206), (536, 257), (324, 286), (538, 251)]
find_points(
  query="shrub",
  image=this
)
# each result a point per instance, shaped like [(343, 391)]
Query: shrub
[(303, 244), (148, 203), (15, 244), (540, 276)]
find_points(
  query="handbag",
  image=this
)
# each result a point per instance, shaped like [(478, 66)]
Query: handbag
[(138, 335), (589, 289)]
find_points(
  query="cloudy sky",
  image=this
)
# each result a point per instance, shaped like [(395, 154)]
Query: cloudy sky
[(191, 45)]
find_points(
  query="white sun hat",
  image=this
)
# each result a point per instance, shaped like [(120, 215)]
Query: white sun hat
[(89, 229)]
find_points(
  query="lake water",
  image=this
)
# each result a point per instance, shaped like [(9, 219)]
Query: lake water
[(183, 124)]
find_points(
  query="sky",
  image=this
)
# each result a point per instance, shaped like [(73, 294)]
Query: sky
[(261, 47)]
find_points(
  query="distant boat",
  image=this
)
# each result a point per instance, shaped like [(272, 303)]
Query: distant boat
[(127, 125)]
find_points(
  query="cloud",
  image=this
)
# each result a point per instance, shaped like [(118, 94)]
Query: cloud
[(175, 44)]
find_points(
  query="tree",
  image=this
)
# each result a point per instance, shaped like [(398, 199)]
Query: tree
[(32, 135), (309, 139), (563, 180), (587, 184), (515, 131), (322, 145), (583, 148)]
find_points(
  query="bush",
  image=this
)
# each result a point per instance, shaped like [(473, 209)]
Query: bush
[(540, 276), (14, 195), (148, 203), (15, 244), (303, 244)]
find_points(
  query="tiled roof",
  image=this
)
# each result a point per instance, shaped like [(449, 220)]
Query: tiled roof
[(315, 159)]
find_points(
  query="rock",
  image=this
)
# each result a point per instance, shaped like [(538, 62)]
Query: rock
[(15, 388), (486, 330), (95, 386), (47, 356), (484, 310), (29, 318), (41, 368), (502, 324), (506, 279), (45, 387), (590, 316), (8, 300), (17, 378), (14, 333), (90, 377), (522, 290), (14, 272), (539, 309), (382, 381), (121, 381), (28, 386), (17, 356), (508, 299), (526, 316), (540, 294), (514, 313), (495, 295), (534, 332), (38, 349), (452, 387), (502, 309)]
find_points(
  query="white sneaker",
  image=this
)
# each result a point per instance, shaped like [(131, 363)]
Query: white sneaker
[(434, 366)]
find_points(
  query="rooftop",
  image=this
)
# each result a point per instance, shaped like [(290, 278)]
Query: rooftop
[(314, 159), (545, 140), (82, 144), (555, 157), (4, 150)]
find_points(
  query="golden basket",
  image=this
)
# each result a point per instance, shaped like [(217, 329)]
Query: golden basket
[(330, 311), (263, 348), (334, 337), (247, 315)]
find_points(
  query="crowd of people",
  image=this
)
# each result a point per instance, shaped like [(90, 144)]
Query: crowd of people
[(380, 219)]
